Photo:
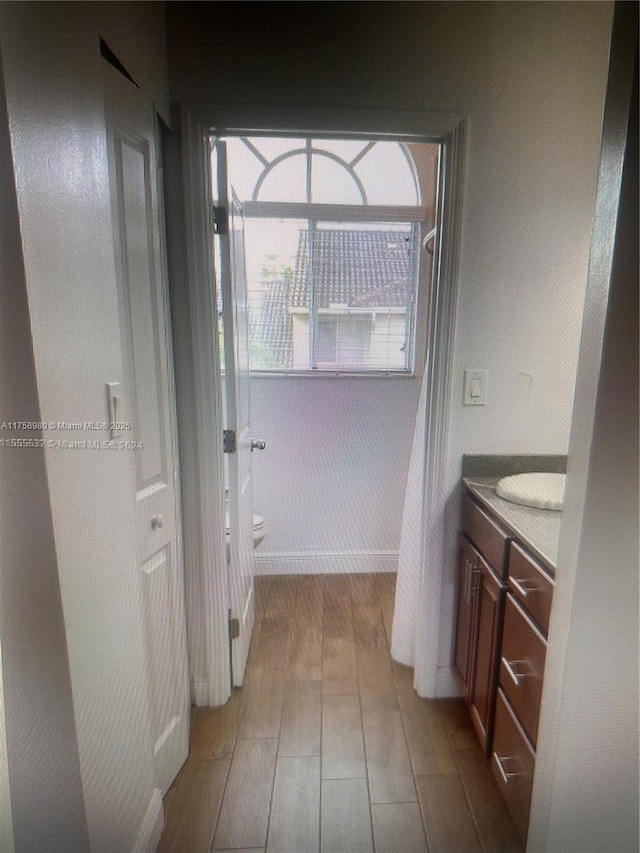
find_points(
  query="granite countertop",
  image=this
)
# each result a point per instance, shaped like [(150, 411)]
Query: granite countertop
[(536, 529)]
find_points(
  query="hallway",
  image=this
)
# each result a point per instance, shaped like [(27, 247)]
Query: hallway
[(327, 746)]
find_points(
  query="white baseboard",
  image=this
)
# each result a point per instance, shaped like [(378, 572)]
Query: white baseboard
[(447, 686), (324, 562), (199, 690), (152, 826)]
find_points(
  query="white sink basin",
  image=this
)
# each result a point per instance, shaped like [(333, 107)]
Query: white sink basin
[(544, 491)]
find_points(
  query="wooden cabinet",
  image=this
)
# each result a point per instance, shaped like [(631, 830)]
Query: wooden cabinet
[(464, 656), (512, 763), (522, 660), (504, 603), (522, 667), (530, 585), (481, 599), (486, 534), (490, 597)]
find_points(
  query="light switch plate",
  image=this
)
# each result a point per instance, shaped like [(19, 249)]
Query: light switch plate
[(475, 387)]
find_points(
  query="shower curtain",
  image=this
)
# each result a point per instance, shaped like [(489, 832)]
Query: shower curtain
[(409, 579)]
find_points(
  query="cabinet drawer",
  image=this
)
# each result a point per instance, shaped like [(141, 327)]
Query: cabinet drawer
[(512, 763), (490, 539), (522, 666), (529, 583)]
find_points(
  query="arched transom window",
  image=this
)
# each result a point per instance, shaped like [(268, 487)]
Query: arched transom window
[(323, 171)]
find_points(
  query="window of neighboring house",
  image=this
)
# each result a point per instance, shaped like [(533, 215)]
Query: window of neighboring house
[(333, 238)]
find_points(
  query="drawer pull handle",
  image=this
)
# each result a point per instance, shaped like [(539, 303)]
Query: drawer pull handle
[(472, 572), (467, 592), (520, 587), (515, 676), (505, 775)]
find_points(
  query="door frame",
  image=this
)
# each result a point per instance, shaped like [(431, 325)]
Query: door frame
[(447, 129), (205, 542)]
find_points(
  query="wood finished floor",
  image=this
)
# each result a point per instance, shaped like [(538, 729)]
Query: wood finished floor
[(327, 747)]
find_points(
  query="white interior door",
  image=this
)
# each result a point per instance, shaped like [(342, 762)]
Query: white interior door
[(147, 395), (235, 322)]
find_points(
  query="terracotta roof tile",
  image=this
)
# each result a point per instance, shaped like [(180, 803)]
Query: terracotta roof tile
[(355, 268)]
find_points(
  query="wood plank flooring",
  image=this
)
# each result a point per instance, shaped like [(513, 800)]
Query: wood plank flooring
[(327, 747)]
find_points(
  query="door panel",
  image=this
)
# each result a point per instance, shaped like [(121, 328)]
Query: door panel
[(146, 366), (148, 404), (491, 594), (464, 659), (244, 522), (238, 418)]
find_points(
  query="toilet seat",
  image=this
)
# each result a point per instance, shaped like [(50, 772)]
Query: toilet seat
[(258, 523)]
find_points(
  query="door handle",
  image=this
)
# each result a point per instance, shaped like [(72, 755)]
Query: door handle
[(258, 444)]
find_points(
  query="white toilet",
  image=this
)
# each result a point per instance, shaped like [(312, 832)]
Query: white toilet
[(259, 530)]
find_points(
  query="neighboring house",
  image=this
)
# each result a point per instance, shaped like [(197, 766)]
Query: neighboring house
[(365, 285)]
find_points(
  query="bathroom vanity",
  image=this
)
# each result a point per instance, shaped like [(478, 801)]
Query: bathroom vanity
[(506, 579)]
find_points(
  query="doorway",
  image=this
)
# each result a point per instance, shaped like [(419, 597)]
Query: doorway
[(339, 272), (330, 378)]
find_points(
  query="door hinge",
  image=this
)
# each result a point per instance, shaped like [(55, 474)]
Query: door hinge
[(234, 628), (220, 220), (229, 440)]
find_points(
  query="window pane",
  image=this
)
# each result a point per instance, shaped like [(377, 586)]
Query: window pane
[(346, 149), (365, 278), (273, 146), (331, 183), (325, 343), (243, 167), (271, 249), (342, 341), (387, 176), (287, 181)]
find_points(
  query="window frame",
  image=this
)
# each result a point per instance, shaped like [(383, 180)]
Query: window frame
[(449, 130)]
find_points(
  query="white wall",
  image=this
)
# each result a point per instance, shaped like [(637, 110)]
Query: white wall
[(52, 70), (38, 708), (586, 793), (327, 480), (530, 78)]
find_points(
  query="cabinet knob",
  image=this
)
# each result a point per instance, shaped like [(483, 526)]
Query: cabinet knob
[(157, 521)]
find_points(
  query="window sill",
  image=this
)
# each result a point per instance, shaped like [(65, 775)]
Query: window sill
[(331, 374)]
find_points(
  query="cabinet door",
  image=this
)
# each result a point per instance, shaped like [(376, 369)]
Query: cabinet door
[(488, 629), (464, 659)]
